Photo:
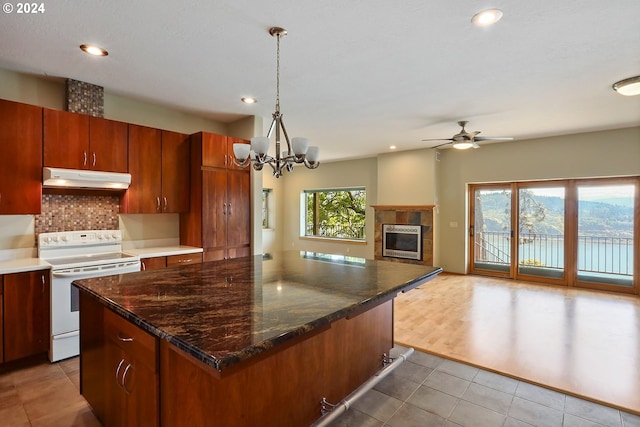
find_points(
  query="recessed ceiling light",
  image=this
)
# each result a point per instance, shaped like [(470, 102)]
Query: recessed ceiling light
[(628, 87), (486, 17), (248, 100), (392, 147), (93, 50)]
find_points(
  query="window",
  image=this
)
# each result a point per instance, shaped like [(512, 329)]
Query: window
[(266, 199), (335, 213)]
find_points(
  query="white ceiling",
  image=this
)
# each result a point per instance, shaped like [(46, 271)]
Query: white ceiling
[(357, 76)]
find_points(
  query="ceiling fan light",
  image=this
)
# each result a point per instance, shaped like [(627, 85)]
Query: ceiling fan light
[(486, 17), (628, 87), (462, 145)]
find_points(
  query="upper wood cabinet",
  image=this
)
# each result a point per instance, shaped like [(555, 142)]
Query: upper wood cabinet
[(78, 141), (220, 217), (159, 168), (217, 150), (20, 158)]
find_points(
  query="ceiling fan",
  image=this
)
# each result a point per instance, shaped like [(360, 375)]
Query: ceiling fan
[(463, 139)]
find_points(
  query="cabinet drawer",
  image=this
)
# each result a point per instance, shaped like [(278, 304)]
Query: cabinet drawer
[(138, 344), (183, 259)]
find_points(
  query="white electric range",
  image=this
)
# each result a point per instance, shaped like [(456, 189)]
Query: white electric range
[(78, 255)]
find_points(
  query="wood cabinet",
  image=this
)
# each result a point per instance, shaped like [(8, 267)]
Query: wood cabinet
[(119, 367), (26, 316), (153, 263), (20, 158), (1, 323), (159, 168), (132, 390), (79, 141), (217, 150), (160, 262), (220, 217)]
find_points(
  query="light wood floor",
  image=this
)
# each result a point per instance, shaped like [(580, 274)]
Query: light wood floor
[(580, 342)]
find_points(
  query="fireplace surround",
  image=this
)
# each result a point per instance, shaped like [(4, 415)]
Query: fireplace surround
[(421, 215)]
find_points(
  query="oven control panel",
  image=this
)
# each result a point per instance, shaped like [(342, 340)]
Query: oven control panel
[(79, 238)]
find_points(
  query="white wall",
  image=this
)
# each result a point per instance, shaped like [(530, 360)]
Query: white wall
[(407, 178), (352, 173), (595, 154)]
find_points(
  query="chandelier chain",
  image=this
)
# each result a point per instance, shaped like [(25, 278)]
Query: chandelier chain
[(278, 74)]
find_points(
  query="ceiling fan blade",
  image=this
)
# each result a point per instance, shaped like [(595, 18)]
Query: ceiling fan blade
[(441, 145), (488, 138), (438, 139)]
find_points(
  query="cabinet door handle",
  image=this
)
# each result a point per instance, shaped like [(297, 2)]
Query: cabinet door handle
[(165, 203), (185, 260), (158, 207), (43, 283), (229, 209), (144, 267), (118, 370), (124, 339), (94, 158), (224, 209), (84, 158), (124, 378)]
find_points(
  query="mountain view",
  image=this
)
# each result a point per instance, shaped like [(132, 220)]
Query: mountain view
[(605, 217)]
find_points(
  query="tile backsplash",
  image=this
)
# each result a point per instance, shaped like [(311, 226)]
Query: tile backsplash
[(77, 212)]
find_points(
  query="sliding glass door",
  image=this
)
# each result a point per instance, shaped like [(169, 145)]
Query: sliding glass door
[(606, 235), (490, 232), (567, 232), (541, 231)]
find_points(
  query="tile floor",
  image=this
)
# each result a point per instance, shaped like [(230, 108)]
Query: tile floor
[(44, 395), (427, 390), (424, 391)]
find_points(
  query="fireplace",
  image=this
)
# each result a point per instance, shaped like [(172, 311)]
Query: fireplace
[(402, 241), (413, 244)]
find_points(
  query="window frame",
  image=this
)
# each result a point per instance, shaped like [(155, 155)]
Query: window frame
[(315, 236)]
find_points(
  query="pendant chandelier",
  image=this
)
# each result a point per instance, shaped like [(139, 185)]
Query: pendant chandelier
[(298, 149)]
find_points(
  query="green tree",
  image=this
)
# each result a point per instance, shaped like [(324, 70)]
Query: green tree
[(336, 213)]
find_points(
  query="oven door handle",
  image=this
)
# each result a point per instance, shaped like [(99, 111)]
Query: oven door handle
[(88, 272)]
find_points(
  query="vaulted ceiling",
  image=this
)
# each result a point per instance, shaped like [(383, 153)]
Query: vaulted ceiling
[(356, 76)]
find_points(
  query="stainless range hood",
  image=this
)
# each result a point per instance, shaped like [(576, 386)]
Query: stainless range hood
[(72, 178)]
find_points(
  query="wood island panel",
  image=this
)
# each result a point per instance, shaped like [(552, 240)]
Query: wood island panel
[(283, 388)]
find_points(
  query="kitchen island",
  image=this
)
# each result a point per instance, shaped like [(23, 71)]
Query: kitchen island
[(256, 341)]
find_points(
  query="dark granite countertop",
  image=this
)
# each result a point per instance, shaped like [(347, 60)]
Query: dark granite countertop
[(224, 312)]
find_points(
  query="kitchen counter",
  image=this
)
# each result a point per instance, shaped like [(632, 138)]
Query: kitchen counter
[(21, 265), (224, 312), (162, 251)]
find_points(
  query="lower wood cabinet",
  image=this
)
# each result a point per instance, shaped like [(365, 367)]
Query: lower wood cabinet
[(159, 262), (1, 326), (25, 314), (119, 367), (132, 376)]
